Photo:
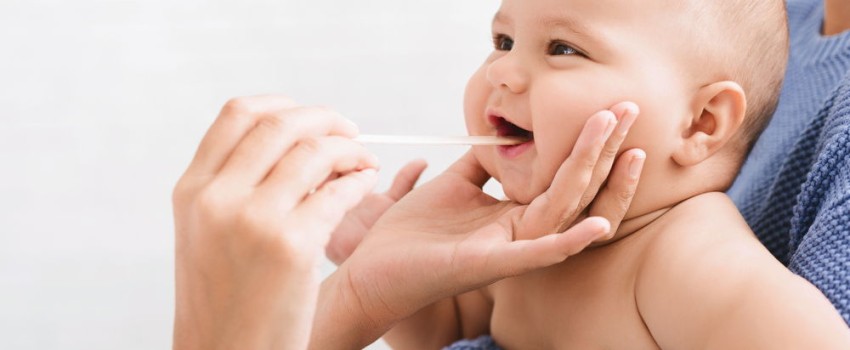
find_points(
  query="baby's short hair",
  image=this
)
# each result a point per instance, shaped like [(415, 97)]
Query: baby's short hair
[(749, 38)]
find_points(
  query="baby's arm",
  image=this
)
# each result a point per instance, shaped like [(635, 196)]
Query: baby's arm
[(709, 289), (444, 322)]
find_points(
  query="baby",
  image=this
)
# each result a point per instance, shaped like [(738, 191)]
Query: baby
[(683, 270)]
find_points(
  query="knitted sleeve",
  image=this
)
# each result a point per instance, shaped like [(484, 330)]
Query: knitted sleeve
[(820, 230), (823, 256)]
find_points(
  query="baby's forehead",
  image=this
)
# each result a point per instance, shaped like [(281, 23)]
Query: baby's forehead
[(594, 18)]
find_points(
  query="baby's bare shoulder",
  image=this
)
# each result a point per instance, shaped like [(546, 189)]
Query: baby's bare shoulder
[(702, 237), (701, 260), (708, 223), (705, 281)]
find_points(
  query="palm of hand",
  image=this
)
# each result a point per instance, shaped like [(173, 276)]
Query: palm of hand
[(462, 238), (449, 204)]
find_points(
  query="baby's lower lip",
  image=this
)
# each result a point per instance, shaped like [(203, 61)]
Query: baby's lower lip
[(514, 151)]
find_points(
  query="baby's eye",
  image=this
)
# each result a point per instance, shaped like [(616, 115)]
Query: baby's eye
[(561, 49), (503, 42)]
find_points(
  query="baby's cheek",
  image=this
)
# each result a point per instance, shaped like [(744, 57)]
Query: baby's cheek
[(475, 98)]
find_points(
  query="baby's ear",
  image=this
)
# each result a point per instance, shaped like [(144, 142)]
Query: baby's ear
[(718, 111)]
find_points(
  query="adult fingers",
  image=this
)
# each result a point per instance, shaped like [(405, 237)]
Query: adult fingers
[(321, 212), (614, 200), (626, 113), (308, 165), (406, 179), (237, 118), (469, 169), (274, 135), (561, 200), (523, 256)]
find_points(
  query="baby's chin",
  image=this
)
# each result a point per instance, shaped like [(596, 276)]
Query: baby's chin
[(521, 192)]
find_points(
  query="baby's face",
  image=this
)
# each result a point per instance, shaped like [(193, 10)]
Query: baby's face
[(557, 62)]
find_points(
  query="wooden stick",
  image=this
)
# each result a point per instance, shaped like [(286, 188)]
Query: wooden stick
[(440, 140)]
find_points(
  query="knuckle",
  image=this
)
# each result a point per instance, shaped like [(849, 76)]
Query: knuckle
[(624, 197), (585, 161), (311, 145), (275, 122), (326, 110), (323, 109), (332, 191), (584, 179), (209, 202), (588, 162), (346, 195), (237, 106), (181, 193), (609, 152), (283, 99)]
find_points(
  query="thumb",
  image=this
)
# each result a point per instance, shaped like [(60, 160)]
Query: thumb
[(470, 169), (522, 256), (406, 179)]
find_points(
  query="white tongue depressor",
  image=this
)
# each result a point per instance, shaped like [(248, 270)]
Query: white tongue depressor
[(440, 140)]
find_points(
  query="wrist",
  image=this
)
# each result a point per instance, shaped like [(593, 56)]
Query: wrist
[(261, 309), (342, 321)]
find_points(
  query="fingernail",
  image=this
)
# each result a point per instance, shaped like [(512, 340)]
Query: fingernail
[(636, 164), (627, 121), (353, 125), (612, 123), (373, 159), (604, 228)]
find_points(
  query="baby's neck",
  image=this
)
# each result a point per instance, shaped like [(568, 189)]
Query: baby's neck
[(635, 224)]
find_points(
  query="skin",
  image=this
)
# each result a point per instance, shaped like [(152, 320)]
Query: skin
[(551, 94), (250, 232), (679, 242), (207, 298), (461, 239), (836, 17), (270, 184)]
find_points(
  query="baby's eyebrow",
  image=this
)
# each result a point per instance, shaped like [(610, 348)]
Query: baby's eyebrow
[(501, 18), (568, 23), (555, 21)]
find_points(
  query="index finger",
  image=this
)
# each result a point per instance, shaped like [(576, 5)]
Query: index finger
[(614, 200), (237, 117), (274, 136), (470, 169), (562, 200)]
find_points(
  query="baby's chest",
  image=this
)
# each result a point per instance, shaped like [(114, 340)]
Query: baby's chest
[(578, 305)]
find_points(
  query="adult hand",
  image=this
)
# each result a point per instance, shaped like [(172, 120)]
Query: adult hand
[(448, 237), (253, 213), (359, 220)]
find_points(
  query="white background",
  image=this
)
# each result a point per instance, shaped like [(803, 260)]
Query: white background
[(102, 104)]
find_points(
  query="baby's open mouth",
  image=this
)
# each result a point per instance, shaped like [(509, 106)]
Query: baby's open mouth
[(505, 128)]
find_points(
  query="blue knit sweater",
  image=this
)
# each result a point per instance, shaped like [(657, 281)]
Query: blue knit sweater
[(795, 186)]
